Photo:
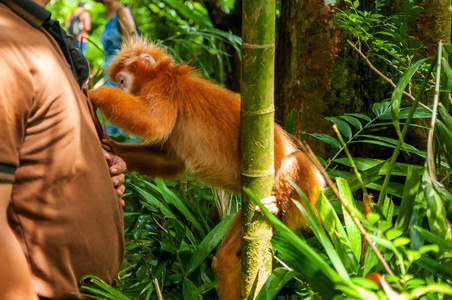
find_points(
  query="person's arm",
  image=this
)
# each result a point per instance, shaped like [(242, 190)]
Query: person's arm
[(87, 21), (15, 278), (126, 23)]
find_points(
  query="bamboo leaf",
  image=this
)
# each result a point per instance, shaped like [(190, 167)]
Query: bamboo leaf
[(151, 202), (172, 199), (211, 240)]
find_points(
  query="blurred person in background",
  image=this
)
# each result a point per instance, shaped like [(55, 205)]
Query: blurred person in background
[(120, 27), (78, 24)]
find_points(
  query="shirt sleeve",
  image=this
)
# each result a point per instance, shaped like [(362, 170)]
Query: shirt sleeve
[(16, 98)]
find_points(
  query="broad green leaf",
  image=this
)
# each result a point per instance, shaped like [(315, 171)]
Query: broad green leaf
[(343, 127), (327, 139), (211, 240), (274, 283), (362, 116), (354, 121), (434, 239), (396, 97), (321, 236), (447, 70), (444, 139), (354, 235), (190, 291), (412, 185), (417, 218), (338, 236), (380, 108), (435, 212), (434, 267)]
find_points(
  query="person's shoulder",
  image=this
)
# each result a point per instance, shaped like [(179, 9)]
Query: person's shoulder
[(124, 10)]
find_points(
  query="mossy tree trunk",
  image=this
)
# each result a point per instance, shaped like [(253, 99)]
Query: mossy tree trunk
[(257, 138), (434, 22), (317, 75)]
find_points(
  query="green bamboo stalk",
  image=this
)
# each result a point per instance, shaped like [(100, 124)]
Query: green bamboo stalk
[(257, 139)]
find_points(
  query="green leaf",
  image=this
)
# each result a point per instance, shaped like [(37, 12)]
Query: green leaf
[(410, 191), (208, 244), (435, 212), (362, 116), (434, 239), (343, 127), (190, 291), (380, 108), (172, 199), (354, 121), (434, 267), (288, 126), (151, 202), (416, 220), (335, 230), (275, 283), (396, 97), (354, 235), (103, 289), (327, 139)]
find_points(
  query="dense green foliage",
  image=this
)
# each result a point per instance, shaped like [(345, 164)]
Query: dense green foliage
[(173, 229), (184, 28)]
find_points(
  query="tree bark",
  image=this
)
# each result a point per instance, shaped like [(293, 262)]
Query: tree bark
[(316, 74), (257, 139)]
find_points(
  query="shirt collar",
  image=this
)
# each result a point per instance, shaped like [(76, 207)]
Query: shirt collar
[(28, 10)]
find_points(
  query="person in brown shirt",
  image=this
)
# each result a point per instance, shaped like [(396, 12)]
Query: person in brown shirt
[(60, 215)]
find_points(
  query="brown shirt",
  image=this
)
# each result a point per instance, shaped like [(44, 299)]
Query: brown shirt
[(64, 209)]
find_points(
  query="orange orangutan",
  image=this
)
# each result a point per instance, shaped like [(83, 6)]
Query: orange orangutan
[(192, 125)]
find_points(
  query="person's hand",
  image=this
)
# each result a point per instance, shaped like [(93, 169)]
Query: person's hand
[(117, 167)]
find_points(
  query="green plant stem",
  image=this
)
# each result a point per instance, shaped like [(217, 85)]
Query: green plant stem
[(395, 154), (430, 154), (355, 169), (305, 147), (355, 135)]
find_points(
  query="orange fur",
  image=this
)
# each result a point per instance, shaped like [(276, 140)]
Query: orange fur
[(191, 124)]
